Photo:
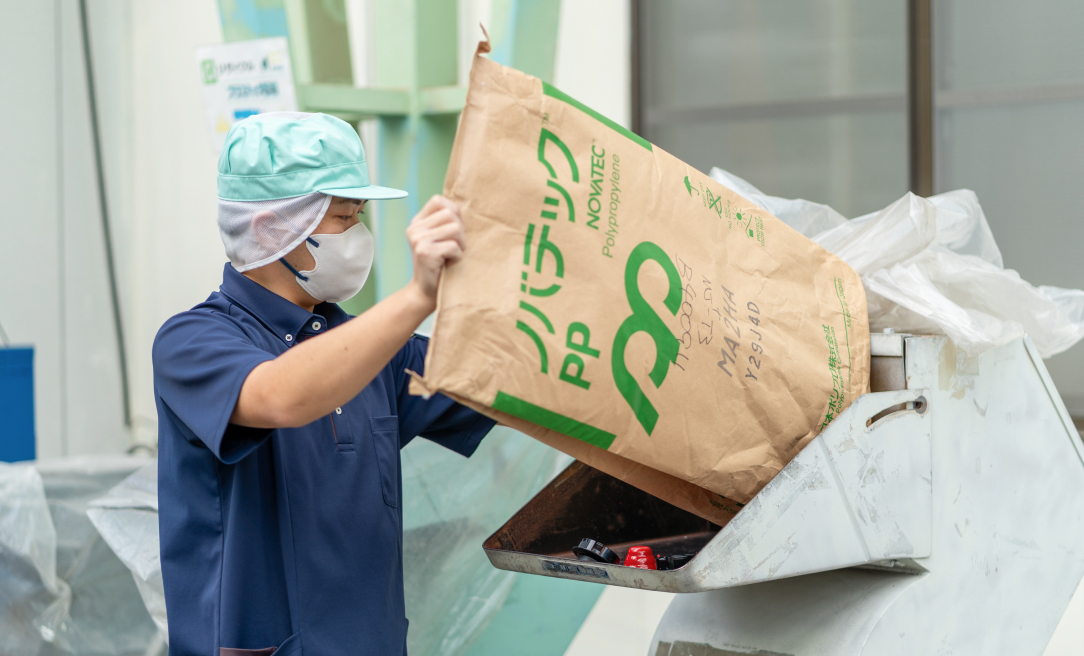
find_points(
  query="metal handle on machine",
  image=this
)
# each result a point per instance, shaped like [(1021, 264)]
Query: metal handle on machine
[(918, 403)]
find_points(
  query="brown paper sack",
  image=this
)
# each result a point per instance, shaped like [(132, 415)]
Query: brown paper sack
[(622, 307)]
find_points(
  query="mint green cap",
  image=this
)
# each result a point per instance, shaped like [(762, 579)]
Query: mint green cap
[(287, 154)]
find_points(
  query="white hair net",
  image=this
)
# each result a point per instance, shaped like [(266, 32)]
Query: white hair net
[(259, 232)]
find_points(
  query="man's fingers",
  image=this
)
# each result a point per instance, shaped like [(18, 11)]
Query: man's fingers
[(433, 249), (432, 205), (420, 226), (449, 251), (437, 203), (436, 238), (449, 231), (437, 227), (435, 219)]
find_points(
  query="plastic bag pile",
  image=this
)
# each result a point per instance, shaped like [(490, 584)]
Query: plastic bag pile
[(931, 266), (79, 554), (127, 519), (62, 589)]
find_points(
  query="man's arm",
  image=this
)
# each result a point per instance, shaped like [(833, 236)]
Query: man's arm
[(324, 372)]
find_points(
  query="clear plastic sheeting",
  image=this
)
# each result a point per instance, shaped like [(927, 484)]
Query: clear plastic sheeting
[(32, 600), (931, 265), (127, 519), (105, 547), (451, 506), (805, 216), (62, 589)]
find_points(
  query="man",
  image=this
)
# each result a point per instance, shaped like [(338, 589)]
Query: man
[(281, 417)]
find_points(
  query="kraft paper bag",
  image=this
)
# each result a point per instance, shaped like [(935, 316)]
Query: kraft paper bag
[(622, 307)]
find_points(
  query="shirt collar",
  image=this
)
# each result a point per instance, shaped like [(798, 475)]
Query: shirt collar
[(290, 323)]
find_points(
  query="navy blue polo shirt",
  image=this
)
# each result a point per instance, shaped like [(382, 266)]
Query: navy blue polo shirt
[(288, 538)]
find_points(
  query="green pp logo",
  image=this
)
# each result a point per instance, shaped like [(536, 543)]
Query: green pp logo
[(208, 68)]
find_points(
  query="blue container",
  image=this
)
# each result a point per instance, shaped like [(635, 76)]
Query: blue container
[(16, 403)]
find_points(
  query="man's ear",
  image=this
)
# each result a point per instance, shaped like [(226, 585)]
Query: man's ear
[(267, 229)]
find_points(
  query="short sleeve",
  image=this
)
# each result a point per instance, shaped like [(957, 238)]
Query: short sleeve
[(438, 418), (201, 359)]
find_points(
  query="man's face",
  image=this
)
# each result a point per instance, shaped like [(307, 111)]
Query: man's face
[(341, 215)]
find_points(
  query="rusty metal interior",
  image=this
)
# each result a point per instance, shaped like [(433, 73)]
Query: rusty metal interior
[(583, 502)]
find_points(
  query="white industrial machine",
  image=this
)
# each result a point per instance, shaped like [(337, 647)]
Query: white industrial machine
[(943, 513)]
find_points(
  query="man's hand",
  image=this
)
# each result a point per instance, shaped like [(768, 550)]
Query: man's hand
[(436, 238)]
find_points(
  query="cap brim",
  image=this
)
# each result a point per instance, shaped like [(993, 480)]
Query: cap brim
[(372, 192)]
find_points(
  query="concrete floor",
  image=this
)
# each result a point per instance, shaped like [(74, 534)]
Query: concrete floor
[(622, 621)]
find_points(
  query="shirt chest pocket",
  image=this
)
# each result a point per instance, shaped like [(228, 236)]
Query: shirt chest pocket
[(385, 441)]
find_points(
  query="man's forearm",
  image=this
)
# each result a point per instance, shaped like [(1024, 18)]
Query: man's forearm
[(322, 373)]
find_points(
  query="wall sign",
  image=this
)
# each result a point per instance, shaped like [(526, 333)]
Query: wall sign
[(244, 78)]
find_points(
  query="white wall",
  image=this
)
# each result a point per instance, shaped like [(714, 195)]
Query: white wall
[(92, 411), (593, 56), (178, 258), (30, 300), (160, 186), (55, 295)]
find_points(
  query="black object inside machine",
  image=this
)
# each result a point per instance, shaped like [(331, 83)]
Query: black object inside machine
[(591, 551), (584, 504)]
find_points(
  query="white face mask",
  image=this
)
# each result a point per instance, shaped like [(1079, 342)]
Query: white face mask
[(343, 263)]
